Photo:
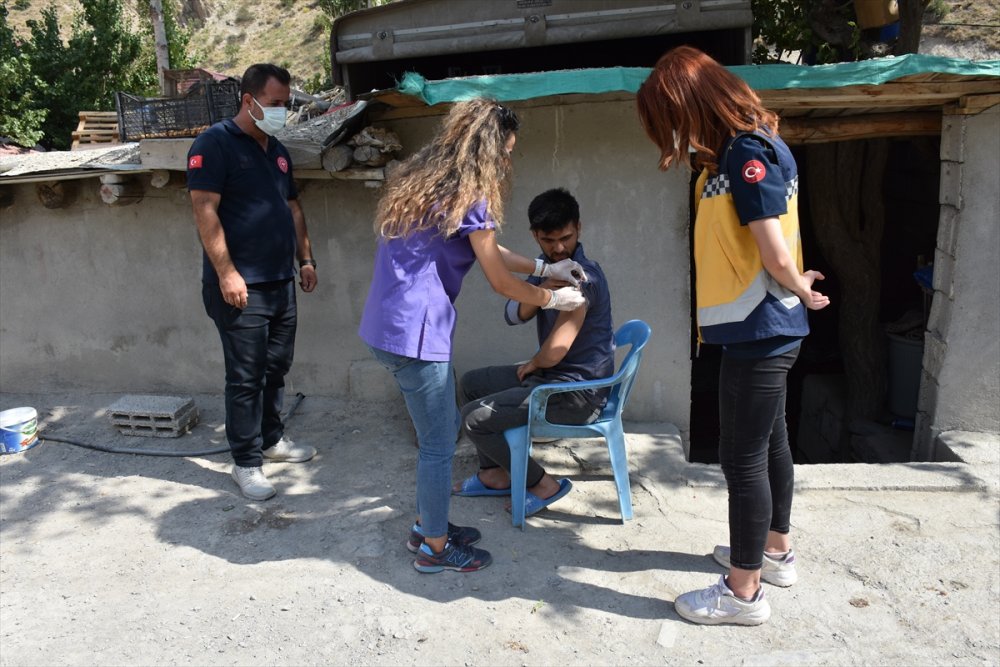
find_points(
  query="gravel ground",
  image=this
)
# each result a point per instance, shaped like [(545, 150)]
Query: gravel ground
[(134, 560)]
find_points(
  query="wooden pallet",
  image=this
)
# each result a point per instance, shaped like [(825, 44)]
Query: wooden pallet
[(96, 128)]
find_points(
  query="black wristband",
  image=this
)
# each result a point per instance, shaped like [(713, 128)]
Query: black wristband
[(307, 262)]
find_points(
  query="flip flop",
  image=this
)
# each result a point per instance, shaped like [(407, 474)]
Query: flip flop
[(533, 504), (473, 486)]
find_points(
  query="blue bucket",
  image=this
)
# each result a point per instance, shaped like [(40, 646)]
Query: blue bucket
[(19, 430)]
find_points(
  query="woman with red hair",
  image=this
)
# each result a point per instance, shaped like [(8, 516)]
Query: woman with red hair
[(752, 296)]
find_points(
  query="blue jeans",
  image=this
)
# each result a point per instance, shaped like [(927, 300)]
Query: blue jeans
[(257, 342), (428, 388), (754, 452)]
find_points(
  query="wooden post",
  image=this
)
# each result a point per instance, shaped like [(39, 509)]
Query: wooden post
[(338, 158), (159, 178), (120, 190), (56, 194), (160, 37)]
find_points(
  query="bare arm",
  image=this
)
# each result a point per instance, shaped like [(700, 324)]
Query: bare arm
[(557, 344), (503, 282), (307, 274), (206, 216), (516, 263), (779, 263)]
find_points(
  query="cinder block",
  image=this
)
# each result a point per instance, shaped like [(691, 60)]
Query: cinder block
[(153, 416), (951, 184), (953, 138), (944, 269), (934, 352), (940, 315), (947, 229)]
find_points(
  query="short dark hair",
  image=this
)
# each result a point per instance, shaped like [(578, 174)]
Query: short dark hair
[(552, 210), (256, 76)]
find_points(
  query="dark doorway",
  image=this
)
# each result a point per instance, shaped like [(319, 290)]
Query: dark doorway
[(819, 429)]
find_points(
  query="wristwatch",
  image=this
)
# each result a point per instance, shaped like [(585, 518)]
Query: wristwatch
[(307, 262)]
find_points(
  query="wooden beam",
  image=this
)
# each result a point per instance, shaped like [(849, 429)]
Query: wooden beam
[(973, 104), (847, 128), (889, 94), (374, 174), (56, 194)]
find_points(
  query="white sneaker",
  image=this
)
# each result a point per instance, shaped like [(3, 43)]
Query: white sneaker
[(286, 450), (775, 572), (717, 604), (252, 483)]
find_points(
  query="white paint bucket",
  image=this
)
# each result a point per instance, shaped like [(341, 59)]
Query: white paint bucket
[(19, 430)]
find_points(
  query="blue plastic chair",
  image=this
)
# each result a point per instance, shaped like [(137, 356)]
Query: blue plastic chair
[(608, 425)]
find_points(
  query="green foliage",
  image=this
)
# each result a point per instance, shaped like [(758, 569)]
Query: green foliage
[(936, 10), (317, 83), (21, 5), (823, 31), (45, 82), (335, 8), (182, 54), (20, 118), (244, 14)]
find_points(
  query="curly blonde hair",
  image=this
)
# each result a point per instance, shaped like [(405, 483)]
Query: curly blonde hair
[(464, 164)]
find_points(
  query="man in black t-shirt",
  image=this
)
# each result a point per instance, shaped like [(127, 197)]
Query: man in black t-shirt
[(252, 230)]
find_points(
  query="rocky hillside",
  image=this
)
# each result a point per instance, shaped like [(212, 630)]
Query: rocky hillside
[(232, 34)]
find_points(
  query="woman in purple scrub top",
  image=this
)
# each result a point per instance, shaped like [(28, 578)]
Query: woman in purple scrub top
[(439, 214)]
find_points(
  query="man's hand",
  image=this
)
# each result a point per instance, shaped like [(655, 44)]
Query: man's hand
[(566, 270), (234, 289), (526, 369), (307, 278)]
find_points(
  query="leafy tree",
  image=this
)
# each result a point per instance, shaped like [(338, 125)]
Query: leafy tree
[(825, 31), (102, 56), (20, 118)]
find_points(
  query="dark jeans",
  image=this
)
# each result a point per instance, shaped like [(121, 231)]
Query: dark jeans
[(494, 400), (754, 452), (258, 342)]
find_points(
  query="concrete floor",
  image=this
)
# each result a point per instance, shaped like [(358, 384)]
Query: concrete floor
[(135, 560)]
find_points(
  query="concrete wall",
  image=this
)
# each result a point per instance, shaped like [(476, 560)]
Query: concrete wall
[(100, 298), (960, 387)]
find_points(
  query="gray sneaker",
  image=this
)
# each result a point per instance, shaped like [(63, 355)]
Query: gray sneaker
[(717, 604), (775, 572), (286, 450), (252, 483)]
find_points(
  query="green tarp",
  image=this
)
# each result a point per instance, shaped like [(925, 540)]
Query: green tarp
[(511, 87)]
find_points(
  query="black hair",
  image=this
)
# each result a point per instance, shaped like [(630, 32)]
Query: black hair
[(509, 122), (256, 77), (552, 210)]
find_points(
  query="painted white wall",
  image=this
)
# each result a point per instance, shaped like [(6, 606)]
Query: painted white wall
[(960, 386), (100, 298)]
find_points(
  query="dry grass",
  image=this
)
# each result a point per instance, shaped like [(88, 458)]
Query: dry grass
[(238, 34), (980, 34)]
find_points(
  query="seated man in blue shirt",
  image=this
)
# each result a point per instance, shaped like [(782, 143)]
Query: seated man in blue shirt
[(573, 345)]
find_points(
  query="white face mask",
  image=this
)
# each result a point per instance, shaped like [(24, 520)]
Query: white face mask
[(273, 120)]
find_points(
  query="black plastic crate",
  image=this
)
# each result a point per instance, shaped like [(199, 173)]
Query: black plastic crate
[(159, 117)]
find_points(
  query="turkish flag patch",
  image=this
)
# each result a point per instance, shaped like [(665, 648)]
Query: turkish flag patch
[(283, 165), (194, 162), (754, 171)]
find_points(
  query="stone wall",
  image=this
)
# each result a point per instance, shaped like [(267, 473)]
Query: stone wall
[(108, 298), (960, 385)]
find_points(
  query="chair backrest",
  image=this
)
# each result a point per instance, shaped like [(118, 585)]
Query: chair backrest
[(635, 333)]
